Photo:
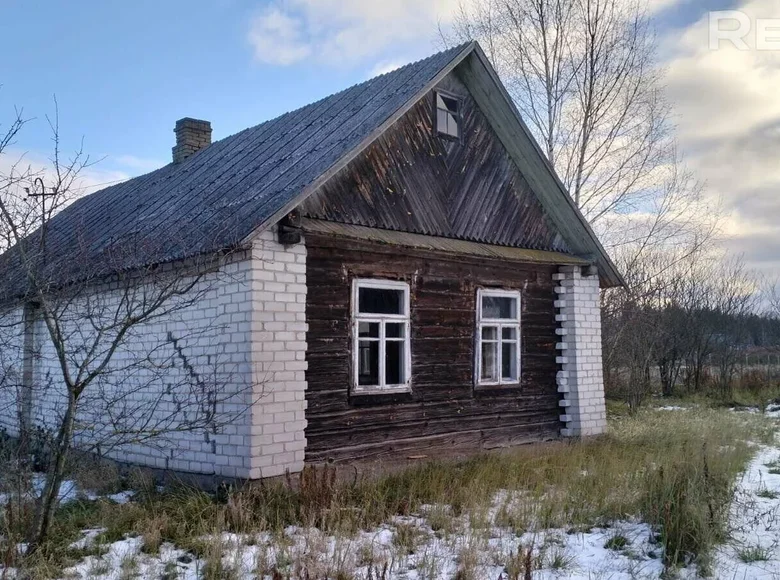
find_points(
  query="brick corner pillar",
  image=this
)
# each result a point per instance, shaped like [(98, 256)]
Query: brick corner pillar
[(580, 375), (279, 327)]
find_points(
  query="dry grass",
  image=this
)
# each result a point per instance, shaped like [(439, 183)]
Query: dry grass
[(674, 470)]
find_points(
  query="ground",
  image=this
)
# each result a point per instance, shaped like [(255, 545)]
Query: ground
[(586, 510)]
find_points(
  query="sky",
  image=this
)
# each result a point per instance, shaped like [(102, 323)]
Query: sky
[(123, 72)]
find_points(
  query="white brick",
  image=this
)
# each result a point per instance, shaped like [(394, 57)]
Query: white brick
[(580, 381), (249, 327)]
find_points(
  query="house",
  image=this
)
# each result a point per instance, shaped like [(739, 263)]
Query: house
[(408, 276)]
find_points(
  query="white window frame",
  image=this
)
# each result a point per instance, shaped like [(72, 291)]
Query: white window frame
[(382, 319), (501, 323)]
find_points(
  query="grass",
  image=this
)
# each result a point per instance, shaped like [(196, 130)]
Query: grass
[(767, 493), (407, 538), (673, 470), (752, 391), (774, 466), (751, 554), (556, 558), (616, 542)]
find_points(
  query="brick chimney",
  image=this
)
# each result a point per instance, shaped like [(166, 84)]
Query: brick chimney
[(192, 135)]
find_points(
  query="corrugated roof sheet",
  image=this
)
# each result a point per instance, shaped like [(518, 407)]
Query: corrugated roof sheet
[(435, 243), (220, 195)]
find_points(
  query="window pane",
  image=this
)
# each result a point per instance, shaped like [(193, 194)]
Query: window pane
[(509, 333), (452, 125), (489, 333), (368, 329), (368, 362), (509, 361), (499, 307), (395, 330), (441, 121), (380, 301), (446, 103), (394, 362), (489, 362)]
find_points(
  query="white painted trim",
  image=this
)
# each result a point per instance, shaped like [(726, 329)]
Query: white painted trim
[(500, 323), (382, 320)]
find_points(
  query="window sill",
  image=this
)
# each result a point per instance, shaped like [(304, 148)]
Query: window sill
[(373, 391), (447, 137), (497, 386)]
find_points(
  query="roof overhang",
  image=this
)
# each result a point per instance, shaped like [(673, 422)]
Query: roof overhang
[(452, 246)]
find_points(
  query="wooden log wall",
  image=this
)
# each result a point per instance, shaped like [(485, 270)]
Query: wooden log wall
[(444, 411)]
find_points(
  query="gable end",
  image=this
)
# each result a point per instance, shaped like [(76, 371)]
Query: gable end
[(413, 179)]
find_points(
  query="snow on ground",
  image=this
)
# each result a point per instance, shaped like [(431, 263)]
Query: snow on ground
[(490, 552), (125, 560), (754, 549), (68, 489), (627, 550)]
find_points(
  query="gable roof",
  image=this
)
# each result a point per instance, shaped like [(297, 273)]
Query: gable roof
[(220, 196)]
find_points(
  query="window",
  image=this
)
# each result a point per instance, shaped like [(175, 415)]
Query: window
[(381, 353), (498, 337), (447, 116)]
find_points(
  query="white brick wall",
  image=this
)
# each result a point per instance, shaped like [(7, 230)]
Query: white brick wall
[(247, 331), (580, 379), (278, 438)]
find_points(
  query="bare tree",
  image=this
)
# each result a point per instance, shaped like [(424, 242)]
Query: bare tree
[(719, 293), (112, 375), (583, 75)]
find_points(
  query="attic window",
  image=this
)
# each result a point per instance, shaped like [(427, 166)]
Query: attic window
[(447, 116)]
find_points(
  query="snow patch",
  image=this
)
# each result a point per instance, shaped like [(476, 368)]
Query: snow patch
[(754, 523), (124, 559)]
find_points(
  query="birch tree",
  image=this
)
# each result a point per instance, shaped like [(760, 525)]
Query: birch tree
[(583, 74)]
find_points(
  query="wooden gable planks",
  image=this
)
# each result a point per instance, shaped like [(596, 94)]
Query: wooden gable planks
[(411, 180)]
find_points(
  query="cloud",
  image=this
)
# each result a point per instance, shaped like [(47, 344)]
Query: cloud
[(729, 126), (342, 31), (279, 38), (346, 32), (657, 6), (384, 67), (137, 164), (90, 179)]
